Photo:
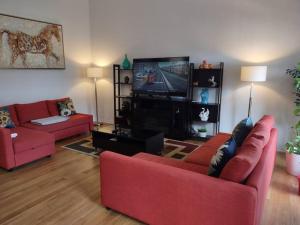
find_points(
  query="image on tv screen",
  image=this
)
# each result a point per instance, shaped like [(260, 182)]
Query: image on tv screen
[(161, 75)]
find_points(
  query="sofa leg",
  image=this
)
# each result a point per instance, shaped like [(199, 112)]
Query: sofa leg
[(107, 208), (49, 156), (10, 170)]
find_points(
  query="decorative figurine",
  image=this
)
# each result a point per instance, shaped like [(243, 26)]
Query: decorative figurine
[(126, 63), (212, 81), (204, 114), (195, 83), (205, 65), (126, 79), (204, 96)]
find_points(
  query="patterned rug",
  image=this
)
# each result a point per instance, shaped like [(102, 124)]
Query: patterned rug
[(172, 148)]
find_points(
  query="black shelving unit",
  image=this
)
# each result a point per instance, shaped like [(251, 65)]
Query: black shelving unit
[(122, 119), (199, 80)]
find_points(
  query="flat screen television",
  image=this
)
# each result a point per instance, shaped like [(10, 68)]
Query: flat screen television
[(161, 76)]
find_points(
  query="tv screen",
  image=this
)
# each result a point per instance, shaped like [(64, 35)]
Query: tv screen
[(161, 76)]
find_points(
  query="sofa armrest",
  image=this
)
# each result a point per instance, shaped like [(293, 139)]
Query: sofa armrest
[(90, 120), (7, 155), (159, 194)]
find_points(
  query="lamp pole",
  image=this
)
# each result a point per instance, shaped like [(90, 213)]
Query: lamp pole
[(96, 98), (95, 72), (250, 100)]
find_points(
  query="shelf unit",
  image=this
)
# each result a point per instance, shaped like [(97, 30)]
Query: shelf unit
[(122, 120), (199, 80)]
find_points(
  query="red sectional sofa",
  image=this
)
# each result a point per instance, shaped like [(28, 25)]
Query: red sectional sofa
[(164, 191), (35, 141)]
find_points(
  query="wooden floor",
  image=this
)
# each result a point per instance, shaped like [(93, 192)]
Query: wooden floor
[(64, 190)]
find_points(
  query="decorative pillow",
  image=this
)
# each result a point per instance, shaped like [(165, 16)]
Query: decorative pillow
[(241, 131), (66, 108), (222, 156), (5, 118)]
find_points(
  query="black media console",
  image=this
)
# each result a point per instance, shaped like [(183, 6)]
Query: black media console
[(168, 115)]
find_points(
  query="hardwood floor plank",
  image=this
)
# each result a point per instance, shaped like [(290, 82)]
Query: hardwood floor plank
[(64, 190)]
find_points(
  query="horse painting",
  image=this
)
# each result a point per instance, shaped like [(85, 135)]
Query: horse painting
[(27, 43)]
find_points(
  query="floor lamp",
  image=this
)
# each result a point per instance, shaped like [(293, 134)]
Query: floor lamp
[(253, 74), (95, 72)]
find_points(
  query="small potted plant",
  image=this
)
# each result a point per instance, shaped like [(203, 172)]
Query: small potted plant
[(293, 146), (202, 132), (293, 156)]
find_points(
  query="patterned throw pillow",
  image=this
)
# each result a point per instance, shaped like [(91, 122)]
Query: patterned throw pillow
[(242, 130), (222, 156), (5, 118), (66, 108)]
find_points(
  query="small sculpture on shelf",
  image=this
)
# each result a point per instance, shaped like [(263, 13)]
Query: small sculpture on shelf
[(195, 83), (204, 115), (204, 96), (212, 81), (205, 65), (126, 63), (126, 79), (125, 110)]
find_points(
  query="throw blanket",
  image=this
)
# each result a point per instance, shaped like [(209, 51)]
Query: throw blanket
[(50, 120)]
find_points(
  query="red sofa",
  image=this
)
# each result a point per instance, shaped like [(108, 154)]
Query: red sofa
[(35, 141), (164, 191)]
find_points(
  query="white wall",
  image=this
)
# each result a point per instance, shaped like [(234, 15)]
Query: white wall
[(238, 32), (22, 86)]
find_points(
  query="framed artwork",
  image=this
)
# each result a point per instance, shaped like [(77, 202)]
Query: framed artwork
[(30, 44)]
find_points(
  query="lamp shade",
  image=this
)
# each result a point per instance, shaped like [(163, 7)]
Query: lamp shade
[(94, 72), (254, 73)]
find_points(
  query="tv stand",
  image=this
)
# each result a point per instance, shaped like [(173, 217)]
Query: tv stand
[(161, 114)]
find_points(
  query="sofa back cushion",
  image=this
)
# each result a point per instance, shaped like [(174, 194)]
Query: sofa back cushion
[(247, 157), (32, 111), (242, 164), (262, 129), (52, 106)]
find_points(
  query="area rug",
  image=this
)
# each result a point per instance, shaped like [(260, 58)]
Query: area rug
[(172, 148)]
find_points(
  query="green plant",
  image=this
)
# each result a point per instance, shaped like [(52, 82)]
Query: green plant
[(202, 130), (293, 146)]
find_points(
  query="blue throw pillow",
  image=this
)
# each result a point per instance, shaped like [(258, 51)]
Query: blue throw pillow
[(241, 131), (222, 156), (5, 118)]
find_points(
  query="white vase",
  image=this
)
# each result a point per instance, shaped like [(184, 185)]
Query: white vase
[(293, 163), (203, 134)]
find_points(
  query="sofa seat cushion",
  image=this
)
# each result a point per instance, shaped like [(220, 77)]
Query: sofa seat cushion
[(172, 162), (32, 111), (204, 153), (52, 106), (75, 120), (28, 139)]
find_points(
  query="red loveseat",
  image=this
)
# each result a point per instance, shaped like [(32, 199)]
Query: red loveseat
[(164, 191), (35, 141)]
